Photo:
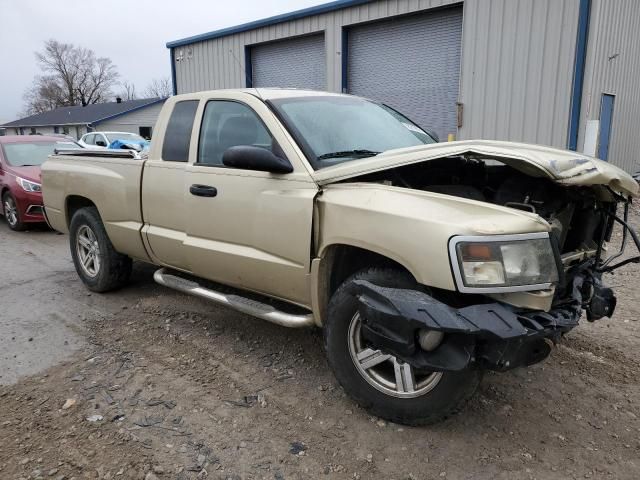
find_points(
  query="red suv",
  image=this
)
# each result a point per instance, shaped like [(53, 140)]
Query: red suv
[(20, 191)]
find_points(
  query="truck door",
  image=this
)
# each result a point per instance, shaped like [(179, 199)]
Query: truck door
[(248, 228), (165, 188)]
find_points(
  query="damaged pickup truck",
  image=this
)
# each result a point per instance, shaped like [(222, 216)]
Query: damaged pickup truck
[(424, 263)]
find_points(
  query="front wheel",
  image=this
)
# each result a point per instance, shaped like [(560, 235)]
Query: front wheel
[(98, 264), (11, 213), (379, 381)]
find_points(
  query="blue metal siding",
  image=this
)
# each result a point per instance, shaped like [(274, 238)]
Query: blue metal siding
[(578, 76), (345, 59), (412, 64), (265, 22), (297, 62), (248, 67), (606, 120), (220, 62)]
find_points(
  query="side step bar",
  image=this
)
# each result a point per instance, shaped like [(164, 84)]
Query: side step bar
[(241, 304)]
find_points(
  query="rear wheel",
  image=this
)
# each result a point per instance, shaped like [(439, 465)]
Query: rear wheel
[(98, 264), (379, 381), (11, 214)]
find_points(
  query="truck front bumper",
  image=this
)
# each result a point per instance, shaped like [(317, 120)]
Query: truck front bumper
[(491, 336)]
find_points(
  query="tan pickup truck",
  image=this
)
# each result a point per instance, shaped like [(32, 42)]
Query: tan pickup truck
[(424, 263)]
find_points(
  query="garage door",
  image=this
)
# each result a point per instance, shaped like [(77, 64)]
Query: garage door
[(298, 62), (412, 64)]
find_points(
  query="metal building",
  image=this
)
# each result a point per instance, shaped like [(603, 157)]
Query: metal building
[(555, 72)]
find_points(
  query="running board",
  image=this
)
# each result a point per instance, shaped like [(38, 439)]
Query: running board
[(241, 304)]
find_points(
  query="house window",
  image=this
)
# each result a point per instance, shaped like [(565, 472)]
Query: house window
[(32, 131), (65, 130), (56, 129), (145, 132)]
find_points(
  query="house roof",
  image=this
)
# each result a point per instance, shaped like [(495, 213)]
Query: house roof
[(79, 115), (305, 12)]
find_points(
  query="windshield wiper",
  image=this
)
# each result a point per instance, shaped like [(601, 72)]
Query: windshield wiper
[(359, 153)]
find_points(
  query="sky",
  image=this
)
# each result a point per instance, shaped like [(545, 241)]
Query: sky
[(132, 34)]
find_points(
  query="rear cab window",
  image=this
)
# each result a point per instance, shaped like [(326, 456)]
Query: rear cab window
[(177, 137)]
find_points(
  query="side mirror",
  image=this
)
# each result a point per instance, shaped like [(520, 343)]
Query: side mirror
[(101, 143), (249, 157)]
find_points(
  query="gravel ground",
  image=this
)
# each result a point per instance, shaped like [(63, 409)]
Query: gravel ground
[(147, 383)]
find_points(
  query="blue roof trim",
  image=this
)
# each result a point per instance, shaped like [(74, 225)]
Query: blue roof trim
[(584, 13), (140, 107), (285, 17)]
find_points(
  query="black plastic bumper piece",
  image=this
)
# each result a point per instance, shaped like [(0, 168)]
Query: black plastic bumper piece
[(490, 336)]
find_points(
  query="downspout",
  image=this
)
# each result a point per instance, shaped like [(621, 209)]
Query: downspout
[(584, 12)]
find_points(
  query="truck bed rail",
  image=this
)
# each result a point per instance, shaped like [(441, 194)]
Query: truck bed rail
[(87, 152)]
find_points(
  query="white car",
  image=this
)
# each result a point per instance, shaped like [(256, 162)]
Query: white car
[(102, 140)]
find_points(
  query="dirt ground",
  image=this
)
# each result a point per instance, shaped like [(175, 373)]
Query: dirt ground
[(147, 383)]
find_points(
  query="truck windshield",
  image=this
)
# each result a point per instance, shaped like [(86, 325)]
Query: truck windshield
[(25, 154), (333, 129)]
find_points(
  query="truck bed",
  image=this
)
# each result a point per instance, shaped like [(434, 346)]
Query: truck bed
[(111, 179)]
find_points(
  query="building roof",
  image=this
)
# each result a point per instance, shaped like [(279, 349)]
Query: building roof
[(285, 17), (79, 115)]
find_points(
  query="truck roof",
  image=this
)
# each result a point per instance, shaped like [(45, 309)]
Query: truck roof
[(266, 93)]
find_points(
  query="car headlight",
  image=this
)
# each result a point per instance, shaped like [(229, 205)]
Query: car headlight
[(503, 263), (28, 185)]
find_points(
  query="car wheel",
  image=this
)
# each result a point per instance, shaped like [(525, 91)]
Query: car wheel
[(377, 380), (11, 213), (98, 264)]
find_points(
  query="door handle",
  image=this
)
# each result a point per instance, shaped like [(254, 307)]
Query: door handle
[(203, 190)]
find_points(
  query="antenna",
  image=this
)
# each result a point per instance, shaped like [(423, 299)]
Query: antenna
[(247, 69)]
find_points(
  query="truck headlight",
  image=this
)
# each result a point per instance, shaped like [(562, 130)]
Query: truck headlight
[(28, 185), (503, 263)]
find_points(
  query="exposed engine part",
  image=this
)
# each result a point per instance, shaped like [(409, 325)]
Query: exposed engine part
[(588, 289), (581, 219), (576, 214), (602, 303)]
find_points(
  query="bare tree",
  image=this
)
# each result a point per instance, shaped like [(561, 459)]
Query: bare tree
[(159, 87), (44, 95), (128, 91), (71, 75)]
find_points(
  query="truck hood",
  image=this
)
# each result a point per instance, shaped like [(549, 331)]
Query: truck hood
[(563, 166)]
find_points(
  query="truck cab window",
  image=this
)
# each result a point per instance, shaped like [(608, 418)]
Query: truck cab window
[(229, 124), (177, 137)]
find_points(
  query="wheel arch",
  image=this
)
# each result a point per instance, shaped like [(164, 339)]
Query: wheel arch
[(73, 203), (337, 262)]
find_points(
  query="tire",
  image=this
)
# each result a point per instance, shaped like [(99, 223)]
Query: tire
[(435, 398), (11, 213), (88, 238)]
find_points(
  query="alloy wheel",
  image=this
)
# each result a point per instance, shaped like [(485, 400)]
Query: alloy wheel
[(10, 211), (88, 251), (386, 372)]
